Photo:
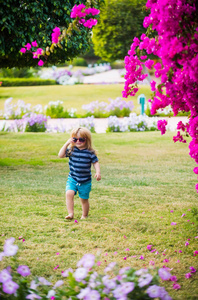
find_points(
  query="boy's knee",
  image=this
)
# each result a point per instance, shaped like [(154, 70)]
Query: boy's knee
[(84, 200), (70, 193)]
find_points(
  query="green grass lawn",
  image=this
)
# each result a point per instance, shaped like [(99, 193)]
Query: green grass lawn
[(72, 96), (144, 177)]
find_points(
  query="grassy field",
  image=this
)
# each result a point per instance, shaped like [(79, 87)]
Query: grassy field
[(144, 177), (72, 96)]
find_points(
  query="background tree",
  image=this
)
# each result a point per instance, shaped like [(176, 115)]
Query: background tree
[(23, 22), (120, 21)]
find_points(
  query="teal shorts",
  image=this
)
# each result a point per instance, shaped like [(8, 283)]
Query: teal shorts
[(83, 189)]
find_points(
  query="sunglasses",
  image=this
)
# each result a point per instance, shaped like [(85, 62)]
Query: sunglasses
[(81, 140)]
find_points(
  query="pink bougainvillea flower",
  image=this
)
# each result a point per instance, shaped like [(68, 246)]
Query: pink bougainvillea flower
[(195, 253), (34, 44), (188, 275), (196, 237), (171, 211), (23, 271), (186, 244), (188, 220), (98, 263), (166, 260), (40, 63), (180, 251), (23, 240), (20, 237), (141, 257), (192, 270), (153, 250), (178, 261), (75, 221), (173, 278), (125, 236), (176, 286), (90, 23), (28, 46), (23, 50), (161, 125), (115, 252), (149, 247), (173, 223), (125, 258), (183, 215), (57, 253), (151, 263), (127, 249), (56, 267)]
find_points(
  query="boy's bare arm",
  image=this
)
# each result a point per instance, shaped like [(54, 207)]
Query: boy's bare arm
[(97, 168), (62, 151)]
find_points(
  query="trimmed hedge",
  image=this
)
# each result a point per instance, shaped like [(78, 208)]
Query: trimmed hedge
[(26, 81)]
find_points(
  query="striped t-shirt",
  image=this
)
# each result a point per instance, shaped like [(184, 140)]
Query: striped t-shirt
[(80, 164)]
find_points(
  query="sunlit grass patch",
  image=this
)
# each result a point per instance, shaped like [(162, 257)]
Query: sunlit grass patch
[(145, 176)]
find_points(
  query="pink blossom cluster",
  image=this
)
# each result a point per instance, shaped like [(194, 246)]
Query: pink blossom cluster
[(55, 35), (161, 125), (175, 23), (80, 11)]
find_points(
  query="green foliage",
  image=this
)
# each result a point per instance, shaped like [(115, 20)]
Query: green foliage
[(16, 72), (79, 61), (120, 21), (56, 111), (36, 127), (23, 22), (26, 81)]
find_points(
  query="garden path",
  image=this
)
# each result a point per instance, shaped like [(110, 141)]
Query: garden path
[(100, 124)]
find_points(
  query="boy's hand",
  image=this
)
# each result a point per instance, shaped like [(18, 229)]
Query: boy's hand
[(70, 141), (97, 176)]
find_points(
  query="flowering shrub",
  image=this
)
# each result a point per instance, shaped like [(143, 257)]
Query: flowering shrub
[(55, 109), (88, 123), (83, 283), (132, 123), (83, 16), (18, 110), (117, 107), (35, 122), (175, 25)]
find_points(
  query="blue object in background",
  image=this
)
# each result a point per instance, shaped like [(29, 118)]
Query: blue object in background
[(141, 101)]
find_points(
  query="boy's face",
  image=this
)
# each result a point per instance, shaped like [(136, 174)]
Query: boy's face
[(79, 141)]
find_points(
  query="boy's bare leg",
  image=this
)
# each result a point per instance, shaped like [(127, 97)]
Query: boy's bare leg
[(70, 204), (85, 208)]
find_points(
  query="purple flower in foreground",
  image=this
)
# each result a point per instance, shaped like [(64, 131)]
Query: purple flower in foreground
[(23, 271), (66, 272), (44, 281), (5, 275), (83, 293), (10, 287), (92, 295), (154, 291), (33, 296), (164, 274), (87, 261), (128, 287), (145, 279), (9, 248), (80, 274)]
